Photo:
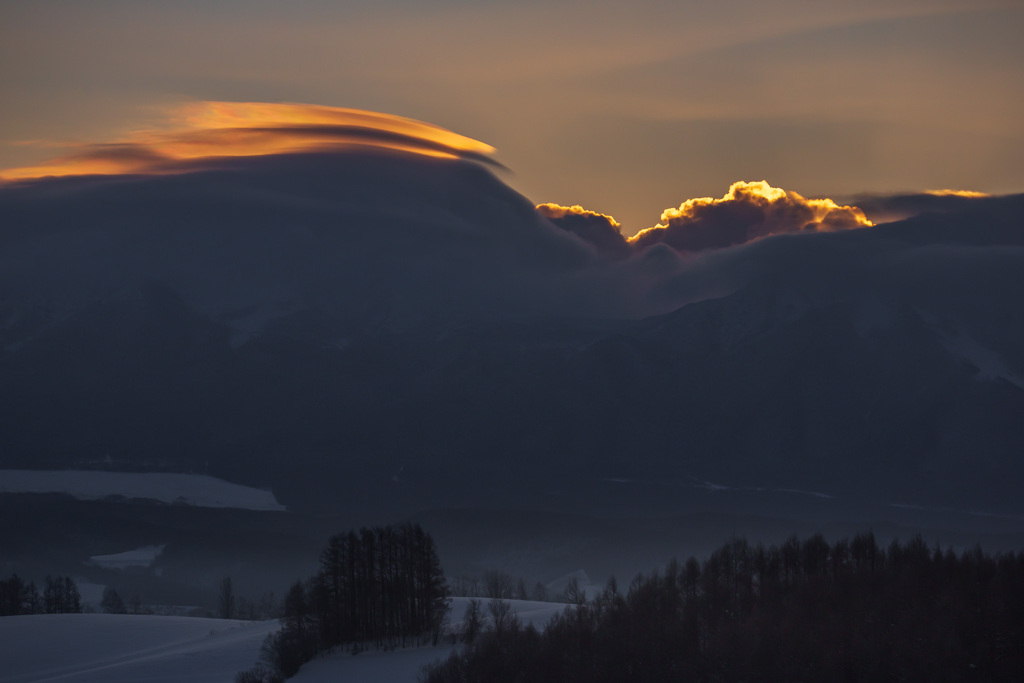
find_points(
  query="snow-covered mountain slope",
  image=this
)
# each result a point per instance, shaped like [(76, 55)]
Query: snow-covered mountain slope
[(180, 489)]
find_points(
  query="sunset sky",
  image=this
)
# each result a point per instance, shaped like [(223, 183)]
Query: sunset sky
[(623, 108)]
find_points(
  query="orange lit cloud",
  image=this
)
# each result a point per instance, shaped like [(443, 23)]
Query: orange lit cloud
[(550, 210), (600, 230), (206, 130), (748, 211), (958, 193)]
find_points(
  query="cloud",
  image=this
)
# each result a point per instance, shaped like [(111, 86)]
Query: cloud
[(748, 211), (598, 229), (201, 131), (893, 207), (271, 219)]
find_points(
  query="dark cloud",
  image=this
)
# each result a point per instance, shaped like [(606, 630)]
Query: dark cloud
[(598, 229), (748, 211), (881, 208), (375, 234)]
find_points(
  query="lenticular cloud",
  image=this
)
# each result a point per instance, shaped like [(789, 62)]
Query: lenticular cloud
[(202, 131)]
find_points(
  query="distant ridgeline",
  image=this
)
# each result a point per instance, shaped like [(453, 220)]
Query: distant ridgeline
[(381, 587), (810, 611)]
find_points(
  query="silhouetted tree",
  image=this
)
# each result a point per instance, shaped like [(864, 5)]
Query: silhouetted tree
[(226, 599), (111, 603), (375, 587), (805, 611), (18, 597), (61, 596), (574, 593), (497, 585), (473, 621), (503, 618)]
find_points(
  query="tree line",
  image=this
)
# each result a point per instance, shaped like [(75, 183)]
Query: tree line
[(59, 596), (381, 587), (498, 585), (803, 611)]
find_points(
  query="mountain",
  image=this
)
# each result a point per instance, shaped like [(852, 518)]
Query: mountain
[(381, 334)]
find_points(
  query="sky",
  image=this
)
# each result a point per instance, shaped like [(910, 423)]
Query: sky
[(627, 109)]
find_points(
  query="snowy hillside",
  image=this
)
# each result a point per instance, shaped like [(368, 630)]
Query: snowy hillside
[(401, 666), (183, 489), (107, 648)]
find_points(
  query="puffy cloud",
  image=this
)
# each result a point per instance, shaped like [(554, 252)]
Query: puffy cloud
[(748, 211), (598, 229), (202, 131)]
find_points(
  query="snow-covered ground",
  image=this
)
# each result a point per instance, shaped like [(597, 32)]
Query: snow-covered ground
[(118, 648), (187, 489), (108, 648), (404, 665), (396, 666)]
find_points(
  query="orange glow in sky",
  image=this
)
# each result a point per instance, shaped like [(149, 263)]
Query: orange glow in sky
[(204, 130)]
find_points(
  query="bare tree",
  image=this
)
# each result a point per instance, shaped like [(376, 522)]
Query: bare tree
[(226, 604), (574, 593), (473, 621), (112, 602), (503, 619), (498, 585)]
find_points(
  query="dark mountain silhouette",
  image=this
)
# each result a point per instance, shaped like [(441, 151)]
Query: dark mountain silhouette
[(381, 332)]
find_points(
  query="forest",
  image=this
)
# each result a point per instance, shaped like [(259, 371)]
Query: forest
[(60, 595), (803, 611), (381, 587)]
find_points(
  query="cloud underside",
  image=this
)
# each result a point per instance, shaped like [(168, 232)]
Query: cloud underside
[(210, 130)]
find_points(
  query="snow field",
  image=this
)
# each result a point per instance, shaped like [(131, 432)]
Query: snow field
[(404, 665), (187, 489), (120, 648), (140, 557)]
